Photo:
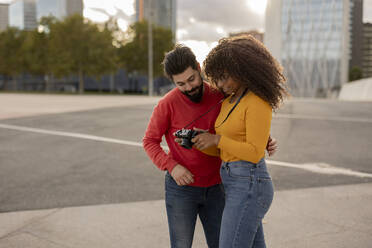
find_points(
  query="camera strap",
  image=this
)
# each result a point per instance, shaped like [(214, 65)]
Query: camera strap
[(214, 106), (209, 110), (232, 109)]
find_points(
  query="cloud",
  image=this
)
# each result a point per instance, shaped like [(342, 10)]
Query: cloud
[(200, 48), (205, 20), (367, 11)]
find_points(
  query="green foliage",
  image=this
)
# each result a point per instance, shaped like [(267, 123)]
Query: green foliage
[(133, 55), (355, 73), (11, 59), (35, 53), (76, 46)]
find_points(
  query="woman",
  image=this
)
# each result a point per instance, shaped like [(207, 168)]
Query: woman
[(243, 69)]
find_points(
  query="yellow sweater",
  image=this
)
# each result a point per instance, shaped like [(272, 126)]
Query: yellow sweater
[(245, 133)]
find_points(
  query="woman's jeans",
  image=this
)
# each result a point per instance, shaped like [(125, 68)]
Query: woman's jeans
[(249, 193), (184, 204)]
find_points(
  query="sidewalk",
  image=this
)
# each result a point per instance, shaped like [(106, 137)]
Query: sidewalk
[(22, 105), (338, 216)]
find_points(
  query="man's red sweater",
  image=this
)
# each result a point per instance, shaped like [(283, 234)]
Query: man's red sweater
[(173, 112)]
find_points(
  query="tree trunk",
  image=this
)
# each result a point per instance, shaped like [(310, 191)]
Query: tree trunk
[(5, 86), (112, 82), (15, 83), (47, 83), (81, 82)]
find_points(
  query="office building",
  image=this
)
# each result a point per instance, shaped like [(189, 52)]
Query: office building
[(356, 35), (163, 12), (22, 14), (58, 8), (4, 15), (313, 40), (367, 50)]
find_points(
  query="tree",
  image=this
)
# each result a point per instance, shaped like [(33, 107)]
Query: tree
[(11, 59), (133, 55), (355, 73), (35, 52), (78, 47)]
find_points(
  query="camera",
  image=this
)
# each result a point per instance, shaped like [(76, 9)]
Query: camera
[(186, 135)]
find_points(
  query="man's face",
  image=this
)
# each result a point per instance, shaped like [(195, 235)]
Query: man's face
[(190, 83)]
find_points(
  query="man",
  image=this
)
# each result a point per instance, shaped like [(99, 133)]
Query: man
[(192, 182)]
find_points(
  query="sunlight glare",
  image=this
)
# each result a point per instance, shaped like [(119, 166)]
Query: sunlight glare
[(258, 6)]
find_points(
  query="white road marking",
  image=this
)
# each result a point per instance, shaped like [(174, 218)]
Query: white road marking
[(320, 168), (73, 135), (323, 118)]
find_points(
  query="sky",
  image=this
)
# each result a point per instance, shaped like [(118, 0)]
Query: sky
[(197, 27), (200, 23)]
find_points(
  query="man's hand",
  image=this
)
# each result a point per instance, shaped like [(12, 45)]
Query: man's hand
[(181, 175), (272, 146)]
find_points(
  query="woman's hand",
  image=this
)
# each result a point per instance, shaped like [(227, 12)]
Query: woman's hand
[(205, 140)]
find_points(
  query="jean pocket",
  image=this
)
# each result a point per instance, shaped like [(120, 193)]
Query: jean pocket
[(265, 194), (239, 171)]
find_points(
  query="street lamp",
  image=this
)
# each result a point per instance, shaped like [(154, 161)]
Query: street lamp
[(150, 52)]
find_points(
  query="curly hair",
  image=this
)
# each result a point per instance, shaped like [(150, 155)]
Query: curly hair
[(248, 62)]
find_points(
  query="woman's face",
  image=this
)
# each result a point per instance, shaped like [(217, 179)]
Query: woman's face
[(228, 85)]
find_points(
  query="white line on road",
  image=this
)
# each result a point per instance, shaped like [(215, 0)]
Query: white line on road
[(73, 135), (320, 168), (323, 118)]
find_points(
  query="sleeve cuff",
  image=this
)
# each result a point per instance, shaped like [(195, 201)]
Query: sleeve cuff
[(170, 166)]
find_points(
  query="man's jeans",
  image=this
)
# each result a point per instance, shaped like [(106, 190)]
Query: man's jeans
[(184, 204), (249, 193)]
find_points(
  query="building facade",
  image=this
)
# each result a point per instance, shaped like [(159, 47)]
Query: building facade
[(312, 39), (163, 12), (367, 50), (58, 8), (356, 38), (4, 15), (22, 14)]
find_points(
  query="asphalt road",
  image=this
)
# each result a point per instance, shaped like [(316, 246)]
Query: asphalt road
[(41, 171)]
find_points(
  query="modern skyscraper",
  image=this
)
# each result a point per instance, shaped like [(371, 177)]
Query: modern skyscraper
[(58, 8), (356, 38), (367, 50), (22, 14), (163, 12), (4, 15), (313, 41)]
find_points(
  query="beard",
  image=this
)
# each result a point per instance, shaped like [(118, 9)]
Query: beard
[(197, 93)]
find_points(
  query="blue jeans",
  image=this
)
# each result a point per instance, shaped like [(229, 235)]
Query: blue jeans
[(184, 204), (249, 193)]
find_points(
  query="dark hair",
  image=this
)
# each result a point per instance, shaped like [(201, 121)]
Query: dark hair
[(247, 61), (178, 60)]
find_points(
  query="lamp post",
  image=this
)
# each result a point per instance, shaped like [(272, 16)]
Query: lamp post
[(150, 52)]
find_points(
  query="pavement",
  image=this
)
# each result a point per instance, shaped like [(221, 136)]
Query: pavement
[(329, 217), (332, 216)]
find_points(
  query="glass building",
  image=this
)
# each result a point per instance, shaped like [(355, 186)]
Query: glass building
[(58, 8), (4, 13), (367, 50), (163, 12), (312, 40), (22, 14)]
